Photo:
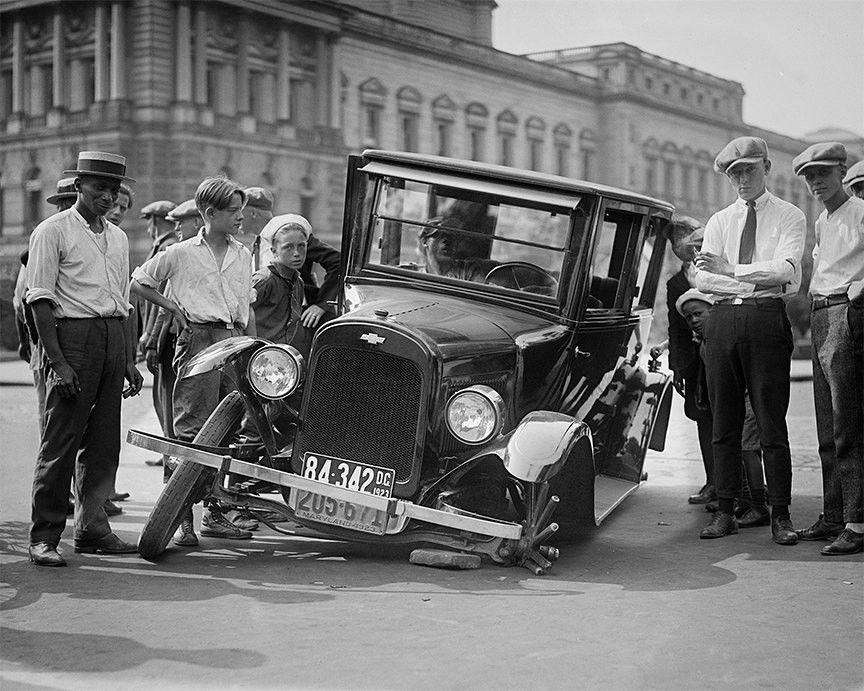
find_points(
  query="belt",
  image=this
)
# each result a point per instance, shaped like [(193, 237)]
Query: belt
[(765, 302), (830, 301), (226, 326)]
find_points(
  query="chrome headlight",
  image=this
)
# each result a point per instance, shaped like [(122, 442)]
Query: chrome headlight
[(475, 415), (275, 371)]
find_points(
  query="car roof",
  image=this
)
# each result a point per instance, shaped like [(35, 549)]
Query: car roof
[(513, 175)]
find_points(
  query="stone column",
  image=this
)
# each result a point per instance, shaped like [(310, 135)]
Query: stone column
[(335, 84), (183, 54), (243, 66), (101, 57), (321, 78), (58, 58), (118, 54), (200, 54), (17, 65), (283, 77)]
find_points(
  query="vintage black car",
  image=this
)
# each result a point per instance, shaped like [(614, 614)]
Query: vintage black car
[(488, 371)]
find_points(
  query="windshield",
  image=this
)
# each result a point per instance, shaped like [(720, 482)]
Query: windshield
[(469, 236)]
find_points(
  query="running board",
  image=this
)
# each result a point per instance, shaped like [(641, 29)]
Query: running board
[(391, 506), (608, 493)]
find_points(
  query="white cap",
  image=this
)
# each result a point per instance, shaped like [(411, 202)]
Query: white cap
[(277, 222)]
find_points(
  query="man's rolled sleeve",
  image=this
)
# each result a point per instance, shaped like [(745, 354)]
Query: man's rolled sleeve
[(155, 270)]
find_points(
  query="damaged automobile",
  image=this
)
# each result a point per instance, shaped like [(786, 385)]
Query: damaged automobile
[(485, 389)]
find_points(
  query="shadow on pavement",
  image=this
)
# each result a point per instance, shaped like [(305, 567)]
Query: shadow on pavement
[(84, 652)]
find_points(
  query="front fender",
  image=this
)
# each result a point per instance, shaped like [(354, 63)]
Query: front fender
[(216, 355), (540, 445)]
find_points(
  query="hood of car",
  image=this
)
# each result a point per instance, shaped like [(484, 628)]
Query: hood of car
[(455, 327)]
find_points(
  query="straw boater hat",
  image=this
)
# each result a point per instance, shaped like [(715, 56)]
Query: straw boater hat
[(65, 190), (100, 164)]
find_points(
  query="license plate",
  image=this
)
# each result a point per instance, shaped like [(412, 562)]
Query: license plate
[(341, 472)]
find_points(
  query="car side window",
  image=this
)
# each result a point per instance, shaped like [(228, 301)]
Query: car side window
[(611, 264)]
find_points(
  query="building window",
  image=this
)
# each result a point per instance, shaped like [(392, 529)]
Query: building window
[(507, 123), (443, 138), (666, 89), (715, 103), (588, 145), (444, 114), (535, 132), (32, 199), (649, 83), (372, 98), (562, 136), (684, 94), (476, 117), (700, 99), (535, 148), (669, 178), (686, 175), (650, 180), (408, 101), (702, 186), (409, 131), (604, 74)]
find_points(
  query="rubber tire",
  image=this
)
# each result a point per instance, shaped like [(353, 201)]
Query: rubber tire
[(189, 481)]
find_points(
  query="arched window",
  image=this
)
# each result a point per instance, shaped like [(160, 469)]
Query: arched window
[(535, 132), (588, 147), (408, 101), (444, 115), (372, 98), (506, 123), (562, 135), (476, 119), (651, 152)]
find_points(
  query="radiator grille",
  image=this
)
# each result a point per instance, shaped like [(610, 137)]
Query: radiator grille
[(364, 407)]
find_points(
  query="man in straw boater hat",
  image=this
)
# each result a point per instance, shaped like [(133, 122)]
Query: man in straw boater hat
[(77, 286)]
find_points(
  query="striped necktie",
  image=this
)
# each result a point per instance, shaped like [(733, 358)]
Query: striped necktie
[(748, 235)]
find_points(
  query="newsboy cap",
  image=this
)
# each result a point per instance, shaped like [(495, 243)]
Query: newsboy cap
[(183, 211), (65, 190), (854, 175), (259, 198), (741, 150), (823, 154), (692, 294), (159, 209), (100, 164)]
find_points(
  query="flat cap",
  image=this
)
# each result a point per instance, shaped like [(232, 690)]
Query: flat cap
[(159, 209), (692, 294), (741, 150), (259, 197), (854, 175), (822, 154), (183, 211), (65, 190)]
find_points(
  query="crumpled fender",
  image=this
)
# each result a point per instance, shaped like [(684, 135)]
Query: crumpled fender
[(216, 355), (540, 445)]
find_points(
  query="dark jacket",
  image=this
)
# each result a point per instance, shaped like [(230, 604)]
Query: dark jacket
[(683, 352), (330, 260)]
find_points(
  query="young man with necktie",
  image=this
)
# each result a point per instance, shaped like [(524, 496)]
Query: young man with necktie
[(751, 262)]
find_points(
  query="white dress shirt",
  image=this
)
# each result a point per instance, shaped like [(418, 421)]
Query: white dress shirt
[(775, 270), (83, 274), (205, 291), (838, 258)]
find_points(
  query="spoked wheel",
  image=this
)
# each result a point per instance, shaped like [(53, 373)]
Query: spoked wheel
[(189, 481), (537, 507)]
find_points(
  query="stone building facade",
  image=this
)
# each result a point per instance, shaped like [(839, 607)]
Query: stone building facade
[(277, 93)]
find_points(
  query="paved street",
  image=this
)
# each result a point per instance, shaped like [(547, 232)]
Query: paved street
[(639, 603)]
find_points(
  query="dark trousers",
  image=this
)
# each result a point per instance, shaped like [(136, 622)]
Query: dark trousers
[(81, 434), (748, 350), (837, 389), (196, 397)]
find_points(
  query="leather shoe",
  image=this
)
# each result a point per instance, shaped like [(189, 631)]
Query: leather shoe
[(45, 554), (821, 530), (119, 496), (755, 517), (110, 544), (111, 509), (721, 524), (783, 532), (848, 542), (703, 496)]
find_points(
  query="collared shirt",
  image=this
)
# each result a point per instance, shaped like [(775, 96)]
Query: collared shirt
[(205, 291), (838, 258), (278, 302), (775, 270), (83, 274)]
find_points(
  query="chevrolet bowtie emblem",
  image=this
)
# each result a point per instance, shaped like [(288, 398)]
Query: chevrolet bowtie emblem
[(373, 339)]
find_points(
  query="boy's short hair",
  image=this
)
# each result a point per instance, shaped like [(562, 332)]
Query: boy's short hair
[(216, 192)]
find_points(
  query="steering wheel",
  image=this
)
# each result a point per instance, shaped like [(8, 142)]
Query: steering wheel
[(523, 276)]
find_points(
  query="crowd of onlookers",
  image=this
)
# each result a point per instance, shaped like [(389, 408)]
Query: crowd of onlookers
[(222, 264)]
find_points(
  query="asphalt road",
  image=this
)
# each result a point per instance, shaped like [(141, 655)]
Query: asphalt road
[(639, 603)]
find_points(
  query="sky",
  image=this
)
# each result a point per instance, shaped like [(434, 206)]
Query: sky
[(801, 62)]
